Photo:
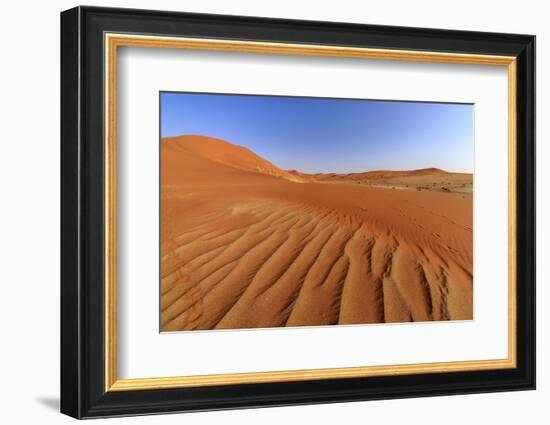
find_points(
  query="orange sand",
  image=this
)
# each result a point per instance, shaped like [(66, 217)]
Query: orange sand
[(246, 245)]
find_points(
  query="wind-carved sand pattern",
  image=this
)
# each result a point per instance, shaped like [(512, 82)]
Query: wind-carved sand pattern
[(248, 245)]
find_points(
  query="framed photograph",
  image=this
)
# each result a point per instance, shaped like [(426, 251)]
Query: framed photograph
[(260, 212)]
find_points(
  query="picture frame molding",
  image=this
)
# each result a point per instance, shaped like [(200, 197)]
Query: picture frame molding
[(89, 41)]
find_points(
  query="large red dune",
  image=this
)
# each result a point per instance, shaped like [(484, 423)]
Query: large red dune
[(245, 244)]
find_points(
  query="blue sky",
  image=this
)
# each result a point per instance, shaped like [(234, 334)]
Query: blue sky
[(329, 135)]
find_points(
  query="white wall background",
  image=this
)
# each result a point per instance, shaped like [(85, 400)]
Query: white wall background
[(29, 212)]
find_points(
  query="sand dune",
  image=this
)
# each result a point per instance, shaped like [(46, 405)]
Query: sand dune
[(432, 179), (245, 246), (381, 174)]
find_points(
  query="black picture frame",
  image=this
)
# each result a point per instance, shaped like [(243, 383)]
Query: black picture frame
[(83, 392)]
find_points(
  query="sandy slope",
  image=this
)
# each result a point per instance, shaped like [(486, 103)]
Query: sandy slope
[(244, 246)]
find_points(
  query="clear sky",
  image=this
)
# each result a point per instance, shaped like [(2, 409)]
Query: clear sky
[(329, 135)]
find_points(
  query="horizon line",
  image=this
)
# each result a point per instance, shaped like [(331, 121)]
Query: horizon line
[(289, 170)]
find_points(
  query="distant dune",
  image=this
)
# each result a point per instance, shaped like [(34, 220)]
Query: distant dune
[(422, 179), (383, 174), (245, 246)]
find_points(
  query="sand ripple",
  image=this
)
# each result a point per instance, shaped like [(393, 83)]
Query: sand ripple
[(273, 265)]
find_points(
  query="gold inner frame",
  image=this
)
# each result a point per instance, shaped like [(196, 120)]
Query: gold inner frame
[(113, 41)]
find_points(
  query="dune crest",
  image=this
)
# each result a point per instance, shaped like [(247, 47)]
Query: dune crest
[(245, 248), (226, 153)]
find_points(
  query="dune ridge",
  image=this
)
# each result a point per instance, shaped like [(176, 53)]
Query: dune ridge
[(243, 248), (223, 152)]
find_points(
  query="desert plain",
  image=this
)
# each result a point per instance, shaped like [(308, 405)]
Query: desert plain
[(246, 244)]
